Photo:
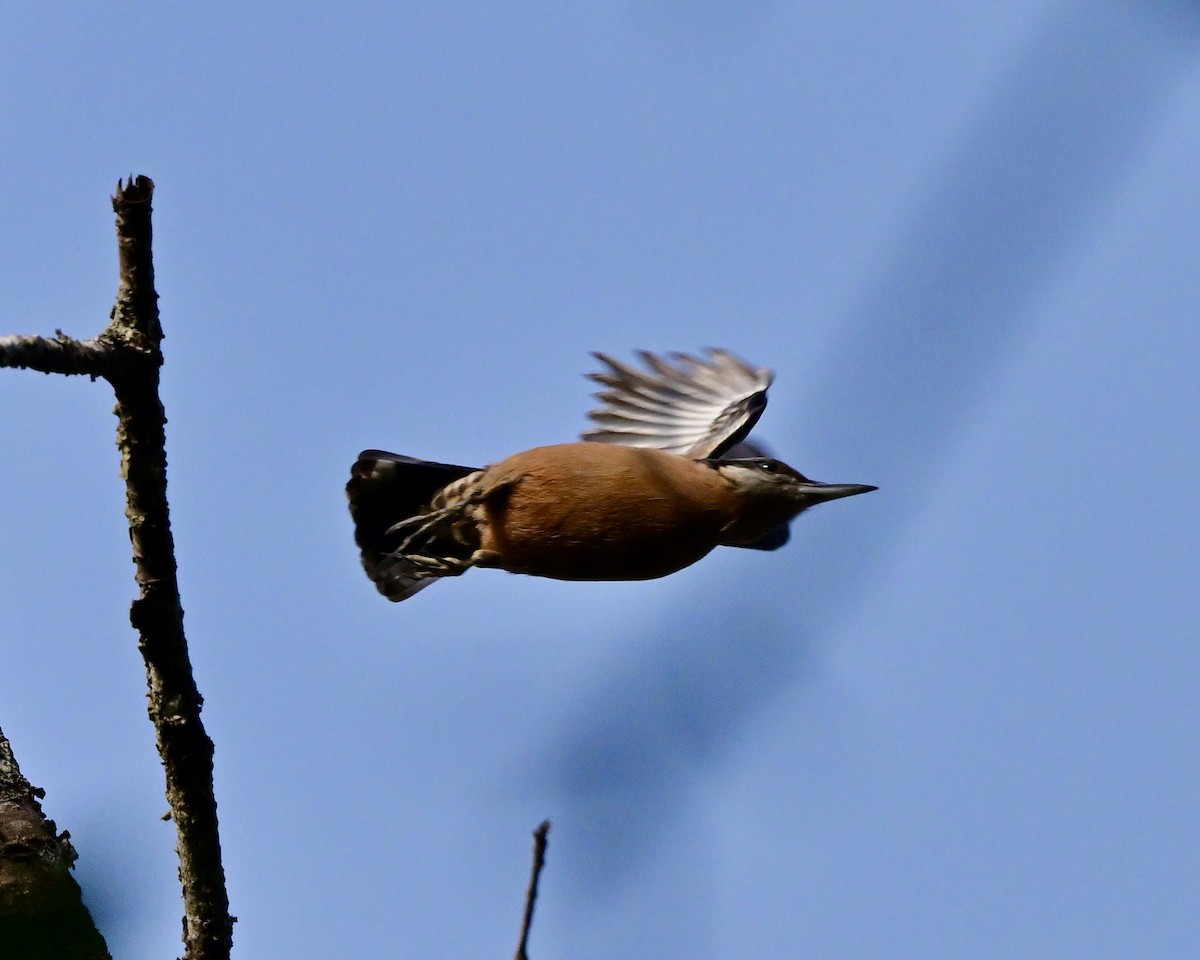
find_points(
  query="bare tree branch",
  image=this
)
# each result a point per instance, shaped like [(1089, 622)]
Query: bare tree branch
[(157, 614), (41, 913), (91, 358), (129, 354), (539, 861)]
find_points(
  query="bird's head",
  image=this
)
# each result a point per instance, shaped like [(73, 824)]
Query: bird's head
[(772, 492)]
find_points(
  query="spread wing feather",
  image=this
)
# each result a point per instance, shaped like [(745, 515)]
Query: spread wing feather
[(696, 407)]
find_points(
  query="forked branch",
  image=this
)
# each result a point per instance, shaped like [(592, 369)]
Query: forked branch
[(129, 355)]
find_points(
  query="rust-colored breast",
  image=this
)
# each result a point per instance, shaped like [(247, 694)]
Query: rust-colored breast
[(599, 511)]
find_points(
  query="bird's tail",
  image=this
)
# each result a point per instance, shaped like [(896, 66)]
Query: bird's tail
[(386, 489)]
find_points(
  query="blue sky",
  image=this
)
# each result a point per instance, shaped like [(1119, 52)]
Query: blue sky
[(955, 718)]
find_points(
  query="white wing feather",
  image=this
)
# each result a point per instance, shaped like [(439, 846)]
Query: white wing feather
[(695, 407)]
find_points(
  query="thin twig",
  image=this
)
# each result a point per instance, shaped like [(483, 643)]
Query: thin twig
[(59, 354), (539, 861)]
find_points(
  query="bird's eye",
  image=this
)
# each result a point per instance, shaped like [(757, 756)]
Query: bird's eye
[(766, 466)]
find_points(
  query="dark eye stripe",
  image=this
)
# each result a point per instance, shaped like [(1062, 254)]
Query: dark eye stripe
[(776, 468)]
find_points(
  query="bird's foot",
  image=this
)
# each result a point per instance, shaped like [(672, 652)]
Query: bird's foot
[(421, 566), (424, 524)]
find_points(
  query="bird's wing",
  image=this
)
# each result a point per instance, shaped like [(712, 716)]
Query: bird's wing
[(696, 407)]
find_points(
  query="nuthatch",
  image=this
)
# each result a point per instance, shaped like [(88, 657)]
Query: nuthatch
[(648, 492)]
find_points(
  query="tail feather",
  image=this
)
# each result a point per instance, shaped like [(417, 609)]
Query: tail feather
[(384, 489)]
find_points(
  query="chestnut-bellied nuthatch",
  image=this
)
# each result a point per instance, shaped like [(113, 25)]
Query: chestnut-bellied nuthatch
[(663, 478)]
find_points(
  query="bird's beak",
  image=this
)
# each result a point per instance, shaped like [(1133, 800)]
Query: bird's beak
[(820, 492)]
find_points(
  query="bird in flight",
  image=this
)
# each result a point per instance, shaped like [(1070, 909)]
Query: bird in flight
[(664, 477)]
